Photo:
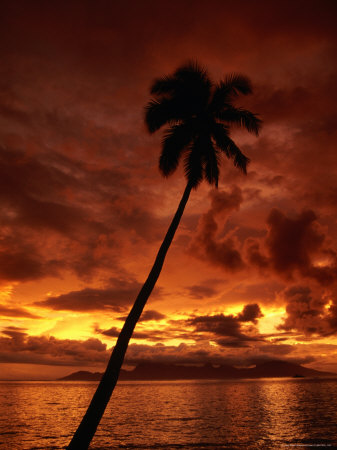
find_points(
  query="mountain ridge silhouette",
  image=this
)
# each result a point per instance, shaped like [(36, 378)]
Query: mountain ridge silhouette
[(161, 371)]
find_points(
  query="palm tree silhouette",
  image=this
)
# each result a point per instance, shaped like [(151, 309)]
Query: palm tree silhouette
[(198, 114)]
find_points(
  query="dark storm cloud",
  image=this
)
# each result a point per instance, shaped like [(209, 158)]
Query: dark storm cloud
[(250, 313), (233, 343), (20, 260), (117, 297), (309, 313), (151, 335), (57, 193), (201, 291), (180, 354), (227, 330), (151, 314), (224, 202), (134, 217), (219, 325), (254, 292), (17, 347), (292, 246), (9, 311), (41, 198), (254, 254), (291, 242), (52, 198), (238, 354), (219, 328), (183, 354), (277, 350), (17, 334), (299, 102), (111, 332), (19, 266), (223, 251), (303, 311), (29, 189)]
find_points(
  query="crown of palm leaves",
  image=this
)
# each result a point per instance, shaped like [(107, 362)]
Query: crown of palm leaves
[(198, 114)]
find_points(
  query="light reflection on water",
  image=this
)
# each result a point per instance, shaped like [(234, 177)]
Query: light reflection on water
[(248, 414)]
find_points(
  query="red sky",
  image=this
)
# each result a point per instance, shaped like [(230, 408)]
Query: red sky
[(251, 274)]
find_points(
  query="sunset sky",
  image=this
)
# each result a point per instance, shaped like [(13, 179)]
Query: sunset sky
[(252, 272)]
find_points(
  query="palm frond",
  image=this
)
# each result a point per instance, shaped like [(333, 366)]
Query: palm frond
[(159, 113), (192, 71), (240, 160), (242, 118), (199, 116), (236, 83), (193, 166), (231, 150), (228, 89), (220, 134), (195, 86), (188, 90), (164, 85), (175, 140), (212, 165)]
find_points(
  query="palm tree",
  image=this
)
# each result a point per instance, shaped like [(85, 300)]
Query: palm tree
[(198, 114)]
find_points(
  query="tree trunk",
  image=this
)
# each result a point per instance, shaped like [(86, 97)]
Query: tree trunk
[(87, 428)]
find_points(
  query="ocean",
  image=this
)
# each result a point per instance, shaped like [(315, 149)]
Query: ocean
[(246, 414)]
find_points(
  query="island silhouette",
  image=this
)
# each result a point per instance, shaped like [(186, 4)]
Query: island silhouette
[(161, 371)]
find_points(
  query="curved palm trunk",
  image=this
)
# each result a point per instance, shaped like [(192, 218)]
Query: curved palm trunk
[(87, 428)]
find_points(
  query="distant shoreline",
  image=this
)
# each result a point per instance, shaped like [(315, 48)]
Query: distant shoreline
[(173, 372), (290, 378), (208, 372)]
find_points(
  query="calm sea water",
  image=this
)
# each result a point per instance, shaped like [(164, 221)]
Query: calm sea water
[(247, 414)]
